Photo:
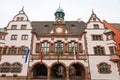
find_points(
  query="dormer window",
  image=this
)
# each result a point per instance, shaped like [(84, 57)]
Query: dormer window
[(13, 27), (96, 26), (109, 36)]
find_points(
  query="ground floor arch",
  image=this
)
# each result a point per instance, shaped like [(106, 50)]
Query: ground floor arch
[(59, 71), (76, 71), (39, 71)]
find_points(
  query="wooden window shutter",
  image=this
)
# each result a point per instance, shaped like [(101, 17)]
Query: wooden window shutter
[(52, 47), (80, 48), (37, 47), (66, 47)]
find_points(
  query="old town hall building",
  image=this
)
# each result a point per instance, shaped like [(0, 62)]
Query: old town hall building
[(59, 49)]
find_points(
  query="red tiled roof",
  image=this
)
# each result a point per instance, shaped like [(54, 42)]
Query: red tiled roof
[(117, 34)]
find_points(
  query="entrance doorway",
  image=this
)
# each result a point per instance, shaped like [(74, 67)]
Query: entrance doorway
[(58, 71), (39, 71), (76, 71)]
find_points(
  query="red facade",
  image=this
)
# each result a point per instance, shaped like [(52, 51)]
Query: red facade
[(117, 34)]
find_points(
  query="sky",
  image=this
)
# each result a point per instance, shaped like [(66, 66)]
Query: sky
[(43, 10)]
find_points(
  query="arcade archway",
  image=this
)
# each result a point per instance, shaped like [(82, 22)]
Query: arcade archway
[(58, 71), (39, 71), (76, 71)]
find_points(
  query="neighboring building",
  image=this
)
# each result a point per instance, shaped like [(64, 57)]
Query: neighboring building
[(115, 27), (59, 50)]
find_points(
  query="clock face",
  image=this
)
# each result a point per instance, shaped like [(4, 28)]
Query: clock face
[(59, 30)]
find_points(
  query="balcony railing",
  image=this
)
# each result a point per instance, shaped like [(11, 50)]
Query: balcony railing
[(114, 58)]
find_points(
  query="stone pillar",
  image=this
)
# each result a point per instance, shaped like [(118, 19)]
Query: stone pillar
[(67, 73), (48, 74), (87, 74), (29, 73)]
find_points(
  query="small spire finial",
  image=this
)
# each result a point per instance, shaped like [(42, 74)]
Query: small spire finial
[(92, 11), (22, 8), (59, 4), (22, 11)]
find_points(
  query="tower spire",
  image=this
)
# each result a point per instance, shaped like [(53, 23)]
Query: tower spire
[(23, 8), (22, 11), (59, 5), (59, 14), (92, 11)]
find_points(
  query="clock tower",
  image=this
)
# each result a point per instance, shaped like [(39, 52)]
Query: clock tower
[(59, 14), (59, 27)]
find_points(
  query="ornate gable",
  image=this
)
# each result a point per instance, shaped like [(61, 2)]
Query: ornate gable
[(94, 18)]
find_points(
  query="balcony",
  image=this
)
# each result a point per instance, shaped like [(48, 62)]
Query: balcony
[(114, 58)]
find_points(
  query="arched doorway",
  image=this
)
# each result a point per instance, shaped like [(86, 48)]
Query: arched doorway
[(39, 71), (76, 71), (58, 71)]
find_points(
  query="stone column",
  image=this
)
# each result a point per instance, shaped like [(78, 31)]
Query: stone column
[(48, 74), (87, 74), (29, 73), (67, 73)]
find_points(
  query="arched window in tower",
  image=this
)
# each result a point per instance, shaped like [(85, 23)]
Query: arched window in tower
[(5, 67), (16, 67)]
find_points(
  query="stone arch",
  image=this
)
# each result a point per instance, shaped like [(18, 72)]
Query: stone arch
[(39, 63), (58, 70), (78, 71), (39, 70)]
